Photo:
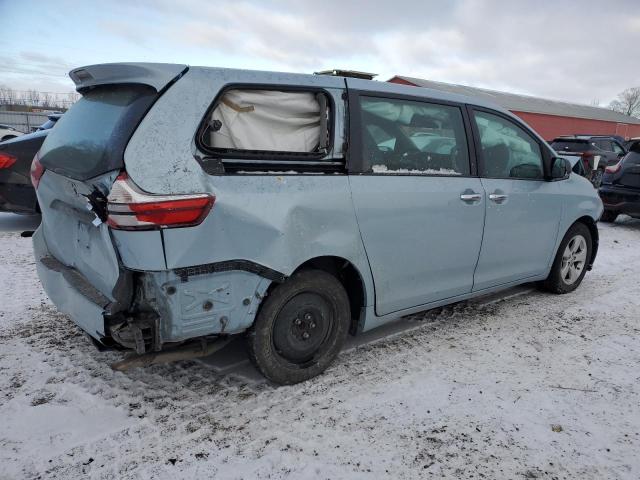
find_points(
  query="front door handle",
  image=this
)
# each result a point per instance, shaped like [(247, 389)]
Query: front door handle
[(498, 197), (470, 197)]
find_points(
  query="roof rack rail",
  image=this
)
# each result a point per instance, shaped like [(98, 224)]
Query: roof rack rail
[(347, 73)]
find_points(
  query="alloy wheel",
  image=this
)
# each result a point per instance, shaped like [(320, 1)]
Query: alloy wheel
[(574, 259)]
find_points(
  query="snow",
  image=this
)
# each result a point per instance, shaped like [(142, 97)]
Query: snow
[(428, 171), (521, 384)]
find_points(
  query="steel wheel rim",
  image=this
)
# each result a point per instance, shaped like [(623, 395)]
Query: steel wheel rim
[(307, 318), (574, 259)]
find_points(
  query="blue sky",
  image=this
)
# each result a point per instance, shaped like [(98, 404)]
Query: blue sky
[(577, 51)]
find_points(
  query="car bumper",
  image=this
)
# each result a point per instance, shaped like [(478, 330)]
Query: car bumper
[(16, 194), (71, 293), (187, 303), (622, 200)]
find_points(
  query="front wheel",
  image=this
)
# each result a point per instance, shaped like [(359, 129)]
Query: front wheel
[(300, 327), (572, 259)]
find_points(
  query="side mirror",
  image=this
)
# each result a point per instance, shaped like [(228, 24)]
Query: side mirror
[(560, 168)]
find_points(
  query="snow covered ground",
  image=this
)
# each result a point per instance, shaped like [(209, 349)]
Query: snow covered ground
[(520, 385)]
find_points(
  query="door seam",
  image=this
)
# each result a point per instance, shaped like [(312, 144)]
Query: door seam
[(484, 223)]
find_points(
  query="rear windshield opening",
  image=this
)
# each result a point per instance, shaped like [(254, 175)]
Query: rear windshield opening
[(258, 123), (91, 137), (571, 145)]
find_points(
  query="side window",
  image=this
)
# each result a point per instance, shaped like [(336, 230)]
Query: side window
[(255, 121), (508, 151), (604, 145), (617, 148), (402, 136)]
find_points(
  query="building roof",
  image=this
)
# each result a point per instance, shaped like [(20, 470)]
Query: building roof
[(527, 103)]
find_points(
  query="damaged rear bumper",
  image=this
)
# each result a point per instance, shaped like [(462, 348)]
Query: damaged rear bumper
[(166, 307), (71, 293)]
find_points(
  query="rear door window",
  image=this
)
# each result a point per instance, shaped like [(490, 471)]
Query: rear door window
[(249, 121), (409, 137), (91, 137)]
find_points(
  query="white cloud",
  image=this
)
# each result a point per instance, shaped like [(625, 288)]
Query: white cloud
[(577, 51)]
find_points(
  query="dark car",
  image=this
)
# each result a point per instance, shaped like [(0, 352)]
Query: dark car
[(597, 152), (16, 191), (620, 190), (51, 121), (630, 142)]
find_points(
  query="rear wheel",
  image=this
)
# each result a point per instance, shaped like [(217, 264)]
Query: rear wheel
[(572, 258), (609, 216), (300, 327)]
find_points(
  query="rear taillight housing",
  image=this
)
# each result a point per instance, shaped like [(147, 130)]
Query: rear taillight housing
[(37, 170), (130, 208), (614, 168), (6, 160)]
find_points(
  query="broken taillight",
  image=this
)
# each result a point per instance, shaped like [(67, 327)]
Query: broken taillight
[(6, 160), (36, 172), (130, 208)]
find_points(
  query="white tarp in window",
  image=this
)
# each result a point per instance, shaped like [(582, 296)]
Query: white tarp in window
[(266, 120)]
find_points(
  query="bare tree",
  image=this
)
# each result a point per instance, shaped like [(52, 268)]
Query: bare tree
[(33, 98), (7, 96), (46, 100), (628, 102)]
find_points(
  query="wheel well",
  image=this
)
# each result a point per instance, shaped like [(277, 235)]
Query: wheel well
[(595, 238), (350, 278)]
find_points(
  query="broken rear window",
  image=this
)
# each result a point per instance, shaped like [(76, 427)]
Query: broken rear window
[(265, 121)]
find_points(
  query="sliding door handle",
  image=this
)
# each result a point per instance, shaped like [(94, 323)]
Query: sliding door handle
[(471, 197), (498, 197)]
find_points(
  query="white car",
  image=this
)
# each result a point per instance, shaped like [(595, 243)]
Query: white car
[(7, 132)]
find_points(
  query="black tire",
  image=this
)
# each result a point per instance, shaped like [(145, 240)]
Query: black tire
[(556, 281), (300, 327), (609, 216)]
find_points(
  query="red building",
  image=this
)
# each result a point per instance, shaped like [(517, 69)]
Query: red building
[(549, 118)]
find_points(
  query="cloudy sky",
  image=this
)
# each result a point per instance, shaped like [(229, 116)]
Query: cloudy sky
[(580, 51)]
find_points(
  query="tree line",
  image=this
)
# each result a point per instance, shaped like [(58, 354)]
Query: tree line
[(30, 99)]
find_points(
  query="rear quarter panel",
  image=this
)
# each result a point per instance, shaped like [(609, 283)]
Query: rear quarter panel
[(276, 220)]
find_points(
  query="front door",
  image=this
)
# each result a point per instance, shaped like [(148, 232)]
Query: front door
[(419, 210), (523, 209)]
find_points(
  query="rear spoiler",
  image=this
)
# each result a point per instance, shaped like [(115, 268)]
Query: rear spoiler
[(155, 75)]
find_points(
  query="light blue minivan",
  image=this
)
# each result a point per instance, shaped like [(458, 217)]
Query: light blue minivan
[(182, 205)]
